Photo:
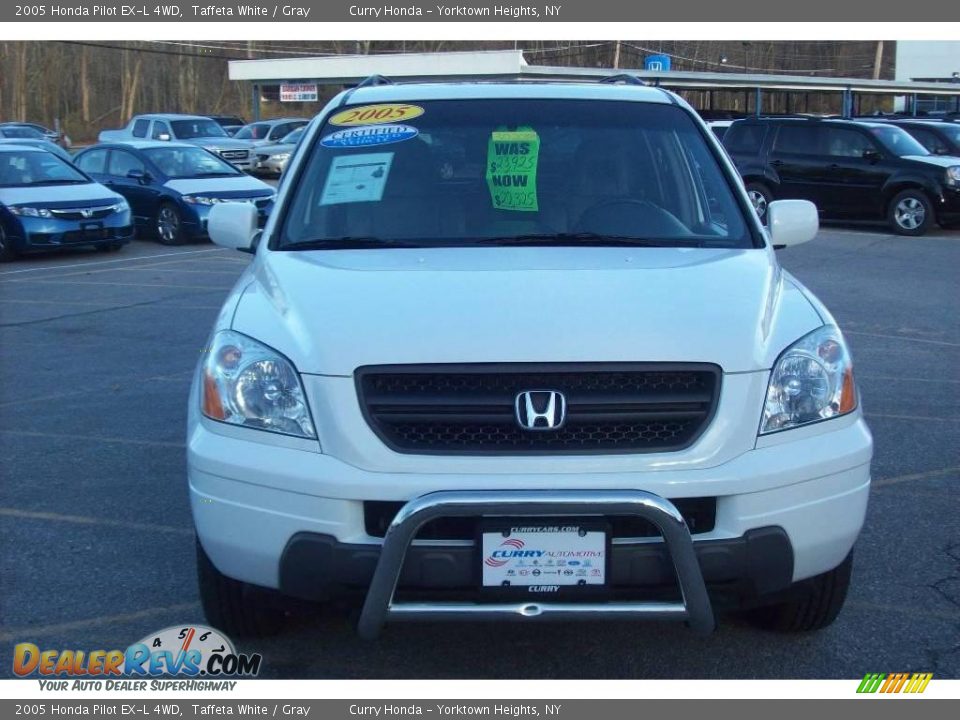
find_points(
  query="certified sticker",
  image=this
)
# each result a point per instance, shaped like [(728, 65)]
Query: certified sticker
[(376, 114), (369, 135)]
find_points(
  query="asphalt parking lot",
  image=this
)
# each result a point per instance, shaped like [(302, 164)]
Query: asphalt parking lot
[(96, 353)]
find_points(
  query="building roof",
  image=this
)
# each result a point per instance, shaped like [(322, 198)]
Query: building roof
[(511, 65)]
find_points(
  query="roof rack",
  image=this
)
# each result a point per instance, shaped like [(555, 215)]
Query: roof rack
[(625, 78), (375, 80)]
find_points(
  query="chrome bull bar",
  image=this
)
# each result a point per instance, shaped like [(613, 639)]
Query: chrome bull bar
[(379, 606)]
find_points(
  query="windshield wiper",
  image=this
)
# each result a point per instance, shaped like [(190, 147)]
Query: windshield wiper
[(588, 239), (349, 242), (212, 174)]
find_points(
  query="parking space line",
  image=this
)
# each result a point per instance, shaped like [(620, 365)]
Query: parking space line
[(31, 281), (93, 438), (907, 379), (881, 608), (31, 631), (86, 520), (926, 475), (922, 418), (109, 305), (902, 337), (106, 262), (125, 268)]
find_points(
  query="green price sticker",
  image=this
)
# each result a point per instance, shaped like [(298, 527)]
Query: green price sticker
[(512, 157)]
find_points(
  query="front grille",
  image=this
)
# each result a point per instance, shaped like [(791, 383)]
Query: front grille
[(470, 409), (234, 154), (94, 213), (699, 514)]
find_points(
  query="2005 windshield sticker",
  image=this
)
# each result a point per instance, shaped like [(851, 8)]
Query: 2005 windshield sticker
[(512, 157), (376, 114), (356, 178)]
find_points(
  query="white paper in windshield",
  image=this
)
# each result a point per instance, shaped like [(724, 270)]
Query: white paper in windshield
[(356, 178)]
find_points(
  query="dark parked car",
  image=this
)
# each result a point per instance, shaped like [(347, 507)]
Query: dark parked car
[(172, 186), (939, 138), (20, 131), (48, 204), (852, 170), (269, 132), (229, 123), (38, 143)]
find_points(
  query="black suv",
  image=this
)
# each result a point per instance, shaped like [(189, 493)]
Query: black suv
[(937, 136), (851, 170)]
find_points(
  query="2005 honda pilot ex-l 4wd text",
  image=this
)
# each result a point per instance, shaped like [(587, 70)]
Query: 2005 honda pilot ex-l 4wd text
[(522, 351)]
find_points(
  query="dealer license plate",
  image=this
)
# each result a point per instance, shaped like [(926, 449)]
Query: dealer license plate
[(519, 554)]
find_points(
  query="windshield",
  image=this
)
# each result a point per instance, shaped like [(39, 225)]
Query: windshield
[(37, 167), (952, 132), (898, 141), (202, 127), (484, 172), (188, 162), (294, 137), (21, 131)]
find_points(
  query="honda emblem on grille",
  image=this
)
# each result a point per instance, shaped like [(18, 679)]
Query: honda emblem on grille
[(541, 409), (86, 212)]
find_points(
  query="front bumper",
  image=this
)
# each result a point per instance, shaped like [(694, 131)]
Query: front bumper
[(948, 208), (271, 165), (29, 233), (278, 513)]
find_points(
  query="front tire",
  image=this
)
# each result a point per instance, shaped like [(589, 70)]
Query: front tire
[(169, 225), (812, 604), (760, 197), (910, 213), (233, 606), (7, 251)]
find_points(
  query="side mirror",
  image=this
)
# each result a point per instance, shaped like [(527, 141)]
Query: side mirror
[(164, 137), (792, 222), (233, 225), (872, 155)]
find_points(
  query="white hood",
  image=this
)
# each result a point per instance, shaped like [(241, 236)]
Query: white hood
[(215, 186), (57, 194), (333, 311)]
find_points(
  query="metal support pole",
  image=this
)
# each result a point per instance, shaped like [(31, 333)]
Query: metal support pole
[(255, 103), (758, 100), (913, 104)]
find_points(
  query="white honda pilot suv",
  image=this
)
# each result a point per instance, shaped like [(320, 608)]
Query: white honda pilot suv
[(522, 351)]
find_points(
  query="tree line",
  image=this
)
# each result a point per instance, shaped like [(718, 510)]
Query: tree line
[(90, 85)]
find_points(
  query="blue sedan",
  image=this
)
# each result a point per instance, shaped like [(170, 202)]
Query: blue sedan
[(172, 186), (48, 204)]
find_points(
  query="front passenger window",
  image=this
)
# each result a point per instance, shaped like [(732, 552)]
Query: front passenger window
[(847, 143)]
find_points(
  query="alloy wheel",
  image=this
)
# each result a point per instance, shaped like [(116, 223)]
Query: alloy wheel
[(910, 213), (759, 202), (168, 224)]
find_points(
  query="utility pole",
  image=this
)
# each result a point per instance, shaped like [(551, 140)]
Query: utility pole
[(878, 60)]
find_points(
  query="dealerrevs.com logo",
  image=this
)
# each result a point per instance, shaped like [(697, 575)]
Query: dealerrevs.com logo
[(180, 651)]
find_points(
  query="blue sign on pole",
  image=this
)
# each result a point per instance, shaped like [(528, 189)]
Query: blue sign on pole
[(658, 63)]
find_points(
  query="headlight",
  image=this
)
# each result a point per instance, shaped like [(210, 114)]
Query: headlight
[(282, 157), (201, 200), (247, 383), (953, 175), (23, 211), (121, 206), (812, 380)]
